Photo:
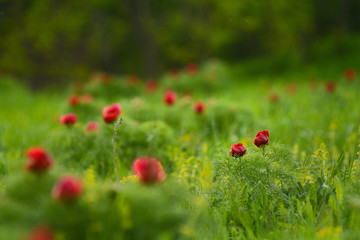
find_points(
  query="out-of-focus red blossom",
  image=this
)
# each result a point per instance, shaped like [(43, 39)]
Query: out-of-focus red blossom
[(174, 74), (111, 113), (151, 85), (68, 119), (67, 189), (133, 80), (350, 74), (274, 97), (237, 150), (41, 232), (92, 127), (149, 170), (199, 107), (291, 88), (262, 138), (86, 98), (330, 87), (191, 68), (170, 98), (74, 100), (38, 160)]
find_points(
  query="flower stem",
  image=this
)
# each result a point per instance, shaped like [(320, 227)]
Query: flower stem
[(263, 151), (114, 150)]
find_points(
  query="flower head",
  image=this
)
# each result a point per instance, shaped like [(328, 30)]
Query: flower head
[(262, 138), (330, 87), (199, 107), (191, 68), (237, 150), (274, 97), (149, 170), (38, 160), (92, 127), (74, 100), (170, 98), (350, 74), (86, 98), (67, 189), (151, 85), (68, 119), (41, 232), (111, 113)]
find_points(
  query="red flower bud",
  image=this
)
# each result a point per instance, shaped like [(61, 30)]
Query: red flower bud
[(111, 113), (87, 98), (92, 127), (262, 138), (274, 97), (37, 160), (74, 100), (191, 68), (149, 170), (67, 189), (68, 119), (41, 233), (151, 85), (170, 98), (237, 150), (199, 107), (350, 75), (330, 87)]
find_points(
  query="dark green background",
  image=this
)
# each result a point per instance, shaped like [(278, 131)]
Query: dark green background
[(47, 41)]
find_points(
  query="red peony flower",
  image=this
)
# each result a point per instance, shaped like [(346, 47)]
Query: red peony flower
[(68, 119), (151, 85), (92, 127), (74, 100), (237, 150), (149, 170), (86, 98), (41, 233), (274, 97), (191, 68), (67, 189), (262, 138), (170, 98), (330, 87), (350, 75), (111, 113), (199, 107), (38, 160)]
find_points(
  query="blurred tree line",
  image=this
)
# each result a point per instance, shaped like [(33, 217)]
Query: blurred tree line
[(53, 40)]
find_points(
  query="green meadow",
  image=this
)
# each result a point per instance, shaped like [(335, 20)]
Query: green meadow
[(304, 184)]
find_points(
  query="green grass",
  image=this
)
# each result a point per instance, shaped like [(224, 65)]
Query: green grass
[(304, 185)]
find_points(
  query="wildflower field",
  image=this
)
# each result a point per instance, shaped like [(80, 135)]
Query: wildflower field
[(206, 152)]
